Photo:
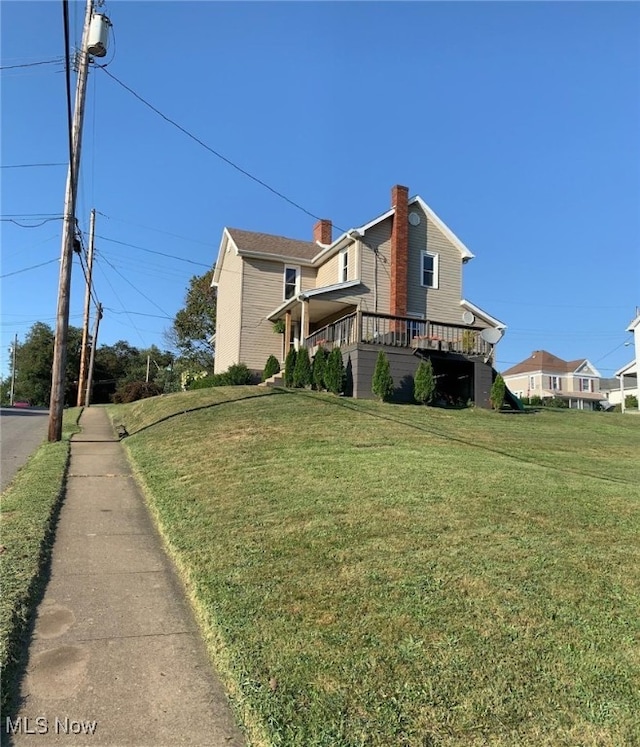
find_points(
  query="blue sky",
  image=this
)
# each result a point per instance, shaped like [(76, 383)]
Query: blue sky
[(517, 122)]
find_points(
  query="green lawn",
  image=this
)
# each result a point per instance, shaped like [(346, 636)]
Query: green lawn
[(370, 574), (28, 512)]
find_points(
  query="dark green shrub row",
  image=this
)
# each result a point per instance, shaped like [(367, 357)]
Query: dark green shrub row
[(325, 371)]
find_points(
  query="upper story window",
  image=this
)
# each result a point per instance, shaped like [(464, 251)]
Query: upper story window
[(291, 281), (555, 383), (585, 385), (532, 382), (343, 266), (429, 270)]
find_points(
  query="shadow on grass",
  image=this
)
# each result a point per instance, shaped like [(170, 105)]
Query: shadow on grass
[(210, 406), (353, 406)]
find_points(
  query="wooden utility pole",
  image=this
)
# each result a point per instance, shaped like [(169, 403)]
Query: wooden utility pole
[(56, 404), (92, 357), (82, 378), (13, 370)]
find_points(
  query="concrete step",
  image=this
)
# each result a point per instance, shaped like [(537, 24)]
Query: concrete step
[(275, 380)]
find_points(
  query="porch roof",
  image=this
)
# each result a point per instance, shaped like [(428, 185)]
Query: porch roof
[(323, 304)]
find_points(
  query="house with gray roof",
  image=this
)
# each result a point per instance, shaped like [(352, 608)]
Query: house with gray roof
[(393, 283)]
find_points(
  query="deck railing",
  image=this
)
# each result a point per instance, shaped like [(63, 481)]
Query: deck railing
[(399, 331)]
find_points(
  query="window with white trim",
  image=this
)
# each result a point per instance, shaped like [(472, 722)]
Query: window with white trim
[(532, 382), (429, 270), (343, 266), (291, 281)]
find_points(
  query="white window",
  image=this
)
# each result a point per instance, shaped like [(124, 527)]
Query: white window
[(343, 267), (429, 268), (291, 281), (532, 382)]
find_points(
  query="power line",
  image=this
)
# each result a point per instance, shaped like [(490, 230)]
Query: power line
[(212, 150), (120, 302), (32, 64), (152, 251), (138, 313), (135, 288), (92, 289), (30, 165), (26, 269), (157, 230), (24, 225), (67, 59)]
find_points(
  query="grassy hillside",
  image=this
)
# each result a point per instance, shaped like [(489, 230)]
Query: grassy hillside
[(371, 574)]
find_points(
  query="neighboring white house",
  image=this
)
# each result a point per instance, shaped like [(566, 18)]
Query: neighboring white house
[(546, 376), (627, 376)]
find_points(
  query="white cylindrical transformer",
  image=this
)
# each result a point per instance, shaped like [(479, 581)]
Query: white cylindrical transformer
[(98, 35)]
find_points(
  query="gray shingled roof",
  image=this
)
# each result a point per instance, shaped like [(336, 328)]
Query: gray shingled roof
[(266, 243)]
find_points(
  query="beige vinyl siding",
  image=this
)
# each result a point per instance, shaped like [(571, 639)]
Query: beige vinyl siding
[(441, 304), (328, 272), (262, 291), (520, 383), (375, 271), (307, 278), (229, 302)]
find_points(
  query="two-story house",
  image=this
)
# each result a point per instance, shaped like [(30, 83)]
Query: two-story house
[(394, 283), (546, 376)]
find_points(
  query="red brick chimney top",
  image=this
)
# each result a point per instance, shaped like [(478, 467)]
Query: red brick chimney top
[(323, 232)]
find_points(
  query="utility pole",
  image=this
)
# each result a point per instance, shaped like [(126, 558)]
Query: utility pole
[(82, 378), (92, 357), (56, 405), (148, 363), (13, 370)]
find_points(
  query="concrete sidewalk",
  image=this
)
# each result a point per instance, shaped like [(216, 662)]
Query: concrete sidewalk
[(115, 642)]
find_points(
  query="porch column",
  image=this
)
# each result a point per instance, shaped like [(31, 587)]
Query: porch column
[(286, 341), (304, 321), (621, 377)]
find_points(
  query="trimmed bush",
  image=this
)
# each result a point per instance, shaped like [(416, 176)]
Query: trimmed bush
[(631, 402), (271, 367), (498, 392), (382, 385), (237, 375), (289, 367), (135, 390), (424, 383), (206, 382), (318, 369), (555, 402), (302, 370), (334, 372)]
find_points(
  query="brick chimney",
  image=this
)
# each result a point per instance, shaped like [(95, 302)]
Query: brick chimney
[(399, 250), (323, 232)]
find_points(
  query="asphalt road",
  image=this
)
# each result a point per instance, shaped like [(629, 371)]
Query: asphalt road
[(21, 432)]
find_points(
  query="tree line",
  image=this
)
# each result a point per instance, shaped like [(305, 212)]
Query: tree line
[(116, 367)]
